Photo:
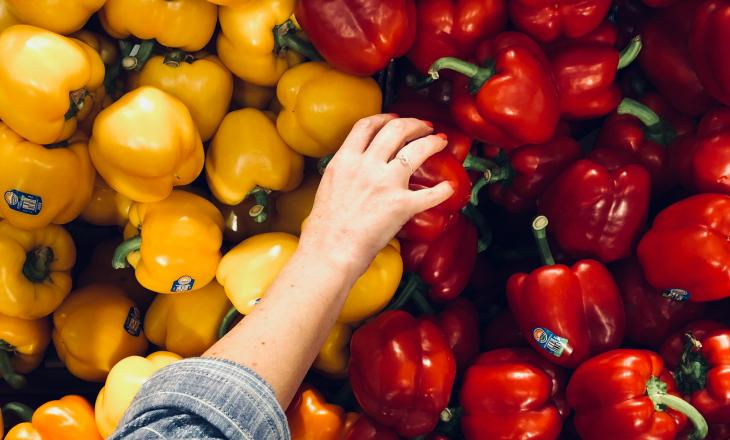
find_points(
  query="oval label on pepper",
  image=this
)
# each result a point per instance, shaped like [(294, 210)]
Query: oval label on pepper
[(133, 323), (549, 341), (678, 295), (183, 284), (23, 202)]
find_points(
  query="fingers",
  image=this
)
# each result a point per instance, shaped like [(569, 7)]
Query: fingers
[(427, 198), (396, 133), (364, 131), (417, 152)]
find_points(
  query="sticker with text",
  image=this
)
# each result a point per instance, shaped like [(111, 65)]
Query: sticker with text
[(183, 284), (679, 295), (549, 341), (133, 323), (23, 202)]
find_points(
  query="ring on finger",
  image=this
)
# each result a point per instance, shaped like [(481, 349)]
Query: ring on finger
[(405, 161)]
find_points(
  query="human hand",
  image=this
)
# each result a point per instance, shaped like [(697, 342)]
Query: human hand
[(363, 199)]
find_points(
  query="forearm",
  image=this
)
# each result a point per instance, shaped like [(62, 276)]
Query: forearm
[(280, 338)]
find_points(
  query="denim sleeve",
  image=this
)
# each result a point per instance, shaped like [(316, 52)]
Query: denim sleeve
[(204, 398)]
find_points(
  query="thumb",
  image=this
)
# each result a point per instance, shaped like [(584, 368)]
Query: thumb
[(427, 198)]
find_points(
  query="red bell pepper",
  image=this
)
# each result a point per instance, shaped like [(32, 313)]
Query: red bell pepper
[(516, 180), (665, 58), (585, 73), (709, 47), (688, 248), (509, 98), (452, 28), (546, 20), (598, 208), (567, 313), (674, 346), (628, 395), (359, 37), (503, 332), (365, 428), (446, 263), (460, 324), (650, 315), (512, 393), (681, 123), (711, 156), (402, 371)]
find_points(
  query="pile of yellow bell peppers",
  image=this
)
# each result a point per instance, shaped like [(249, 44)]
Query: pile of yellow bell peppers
[(173, 144)]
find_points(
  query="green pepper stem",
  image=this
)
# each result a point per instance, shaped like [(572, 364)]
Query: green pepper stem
[(422, 303), (259, 211), (13, 379), (285, 38), (412, 284), (176, 57), (656, 129), (480, 164), (19, 410), (656, 390), (37, 262), (135, 55), (76, 103), (133, 244), (691, 373), (630, 52), (485, 232), (227, 321), (539, 227), (493, 173), (478, 75), (323, 162)]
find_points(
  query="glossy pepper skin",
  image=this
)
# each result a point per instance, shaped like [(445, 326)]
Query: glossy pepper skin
[(178, 246), (310, 417), (63, 17), (36, 270), (247, 153), (96, 327), (402, 371), (68, 418), (459, 323), (187, 323), (124, 381), (334, 356), (293, 207), (183, 24), (151, 130), (513, 393), (628, 394), (688, 248), (359, 37), (650, 315), (547, 21), (710, 160), (515, 100), (238, 224), (44, 82), (43, 185), (453, 28), (707, 45), (23, 345), (666, 58), (200, 81), (446, 263), (317, 105), (597, 211), (249, 44)]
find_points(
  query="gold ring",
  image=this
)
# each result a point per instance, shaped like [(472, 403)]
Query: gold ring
[(404, 160)]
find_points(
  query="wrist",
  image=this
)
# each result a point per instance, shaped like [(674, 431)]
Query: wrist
[(336, 253)]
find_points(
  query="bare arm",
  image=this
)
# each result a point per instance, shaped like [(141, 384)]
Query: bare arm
[(362, 202)]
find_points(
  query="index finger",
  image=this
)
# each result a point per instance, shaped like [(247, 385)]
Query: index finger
[(364, 131)]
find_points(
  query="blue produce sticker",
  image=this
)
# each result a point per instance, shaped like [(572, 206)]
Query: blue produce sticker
[(678, 295), (23, 202), (183, 284), (549, 341), (133, 323)]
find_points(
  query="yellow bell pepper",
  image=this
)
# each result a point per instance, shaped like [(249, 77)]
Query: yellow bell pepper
[(246, 94), (36, 270), (292, 208), (146, 143), (68, 418), (248, 154), (7, 19), (106, 207), (45, 79), (247, 271), (100, 271), (200, 81), (310, 417), (334, 356), (96, 327), (43, 184), (321, 105), (238, 224), (255, 38), (61, 16), (178, 246), (122, 384), (23, 344), (187, 323), (182, 24)]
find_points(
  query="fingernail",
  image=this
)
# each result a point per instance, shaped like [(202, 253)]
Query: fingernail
[(442, 136), (429, 123)]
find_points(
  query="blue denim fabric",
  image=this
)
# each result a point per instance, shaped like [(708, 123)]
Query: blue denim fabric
[(204, 398)]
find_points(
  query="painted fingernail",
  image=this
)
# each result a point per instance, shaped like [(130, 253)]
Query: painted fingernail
[(429, 123), (442, 136)]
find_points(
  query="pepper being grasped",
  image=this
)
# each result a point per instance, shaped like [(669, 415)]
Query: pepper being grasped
[(687, 248), (567, 313), (177, 248), (68, 418), (146, 143), (45, 80), (63, 17), (23, 346)]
